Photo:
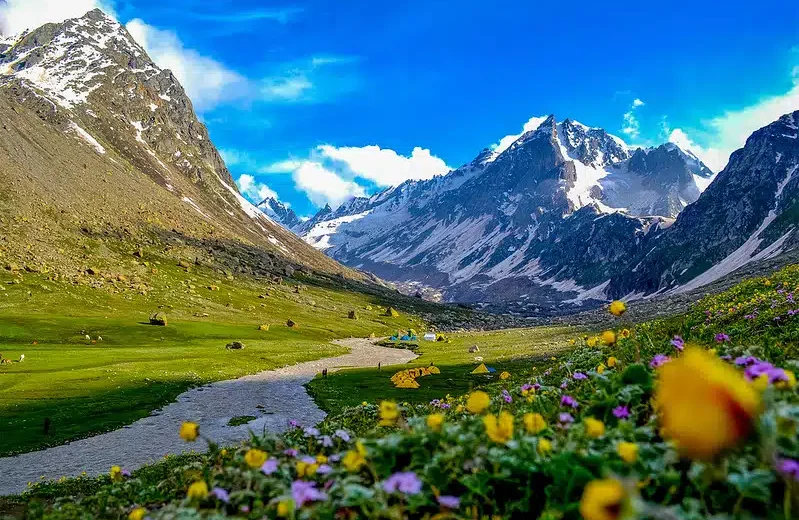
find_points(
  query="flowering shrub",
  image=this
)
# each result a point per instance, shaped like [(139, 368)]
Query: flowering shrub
[(693, 418)]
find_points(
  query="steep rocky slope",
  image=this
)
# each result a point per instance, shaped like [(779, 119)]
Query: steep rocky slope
[(101, 155)]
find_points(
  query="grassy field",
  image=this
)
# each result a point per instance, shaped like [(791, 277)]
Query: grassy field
[(85, 386), (509, 350)]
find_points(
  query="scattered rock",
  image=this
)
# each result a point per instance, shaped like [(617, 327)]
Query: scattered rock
[(290, 324), (391, 311), (213, 287), (473, 349), (159, 318), (184, 264), (352, 315), (92, 271), (235, 345)]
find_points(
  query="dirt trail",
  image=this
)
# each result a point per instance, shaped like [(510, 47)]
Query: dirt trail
[(280, 392)]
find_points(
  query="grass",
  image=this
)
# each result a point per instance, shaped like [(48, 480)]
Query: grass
[(85, 386), (240, 419), (508, 350)]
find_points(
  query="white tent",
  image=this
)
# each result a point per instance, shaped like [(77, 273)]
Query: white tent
[(430, 336)]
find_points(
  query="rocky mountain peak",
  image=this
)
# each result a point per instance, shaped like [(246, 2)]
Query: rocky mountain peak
[(279, 212)]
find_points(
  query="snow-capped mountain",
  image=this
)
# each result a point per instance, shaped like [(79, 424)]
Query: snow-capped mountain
[(749, 212), (279, 212), (86, 87), (549, 218)]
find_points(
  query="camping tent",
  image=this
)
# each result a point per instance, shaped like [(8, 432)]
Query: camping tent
[(481, 369), (430, 336)]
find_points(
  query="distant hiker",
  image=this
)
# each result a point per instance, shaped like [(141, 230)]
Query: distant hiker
[(21, 358), (378, 366), (47, 423), (324, 373)]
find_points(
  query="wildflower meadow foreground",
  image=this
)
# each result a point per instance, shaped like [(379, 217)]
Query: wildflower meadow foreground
[(693, 417)]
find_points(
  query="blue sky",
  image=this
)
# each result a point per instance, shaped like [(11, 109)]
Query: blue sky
[(320, 100)]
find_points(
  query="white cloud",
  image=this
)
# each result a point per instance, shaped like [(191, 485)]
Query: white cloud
[(631, 126), (384, 166), (286, 89), (20, 15), (207, 81), (254, 190), (505, 142), (727, 132), (323, 186)]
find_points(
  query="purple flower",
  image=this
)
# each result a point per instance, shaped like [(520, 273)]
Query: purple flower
[(125, 473), (220, 494), (404, 482), (788, 467), (536, 386), (269, 467), (308, 460), (506, 396), (526, 387), (294, 424), (678, 343), (303, 492), (334, 458), (569, 401), (579, 376), (659, 360), (745, 361), (564, 385), (326, 441), (244, 509), (449, 501), (311, 432), (565, 418), (291, 452), (343, 435), (621, 412), (721, 337), (757, 369), (324, 469)]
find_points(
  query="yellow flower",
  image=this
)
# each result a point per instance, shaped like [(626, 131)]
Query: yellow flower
[(705, 405), (617, 308), (477, 402), (504, 375), (137, 514), (534, 423), (255, 458), (609, 337), (305, 469), (189, 431), (592, 341), (284, 508), (364, 403), (389, 413), (604, 500), (198, 490), (116, 474), (321, 459), (600, 369), (435, 421), (544, 447), (354, 459), (787, 385), (611, 362), (625, 333), (499, 429), (594, 428), (628, 451)]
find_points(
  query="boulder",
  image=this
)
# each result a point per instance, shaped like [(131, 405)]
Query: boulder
[(391, 311), (473, 349), (290, 324), (235, 345), (159, 318), (352, 315)]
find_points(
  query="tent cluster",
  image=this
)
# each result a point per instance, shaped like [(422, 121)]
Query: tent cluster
[(409, 336), (407, 378)]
